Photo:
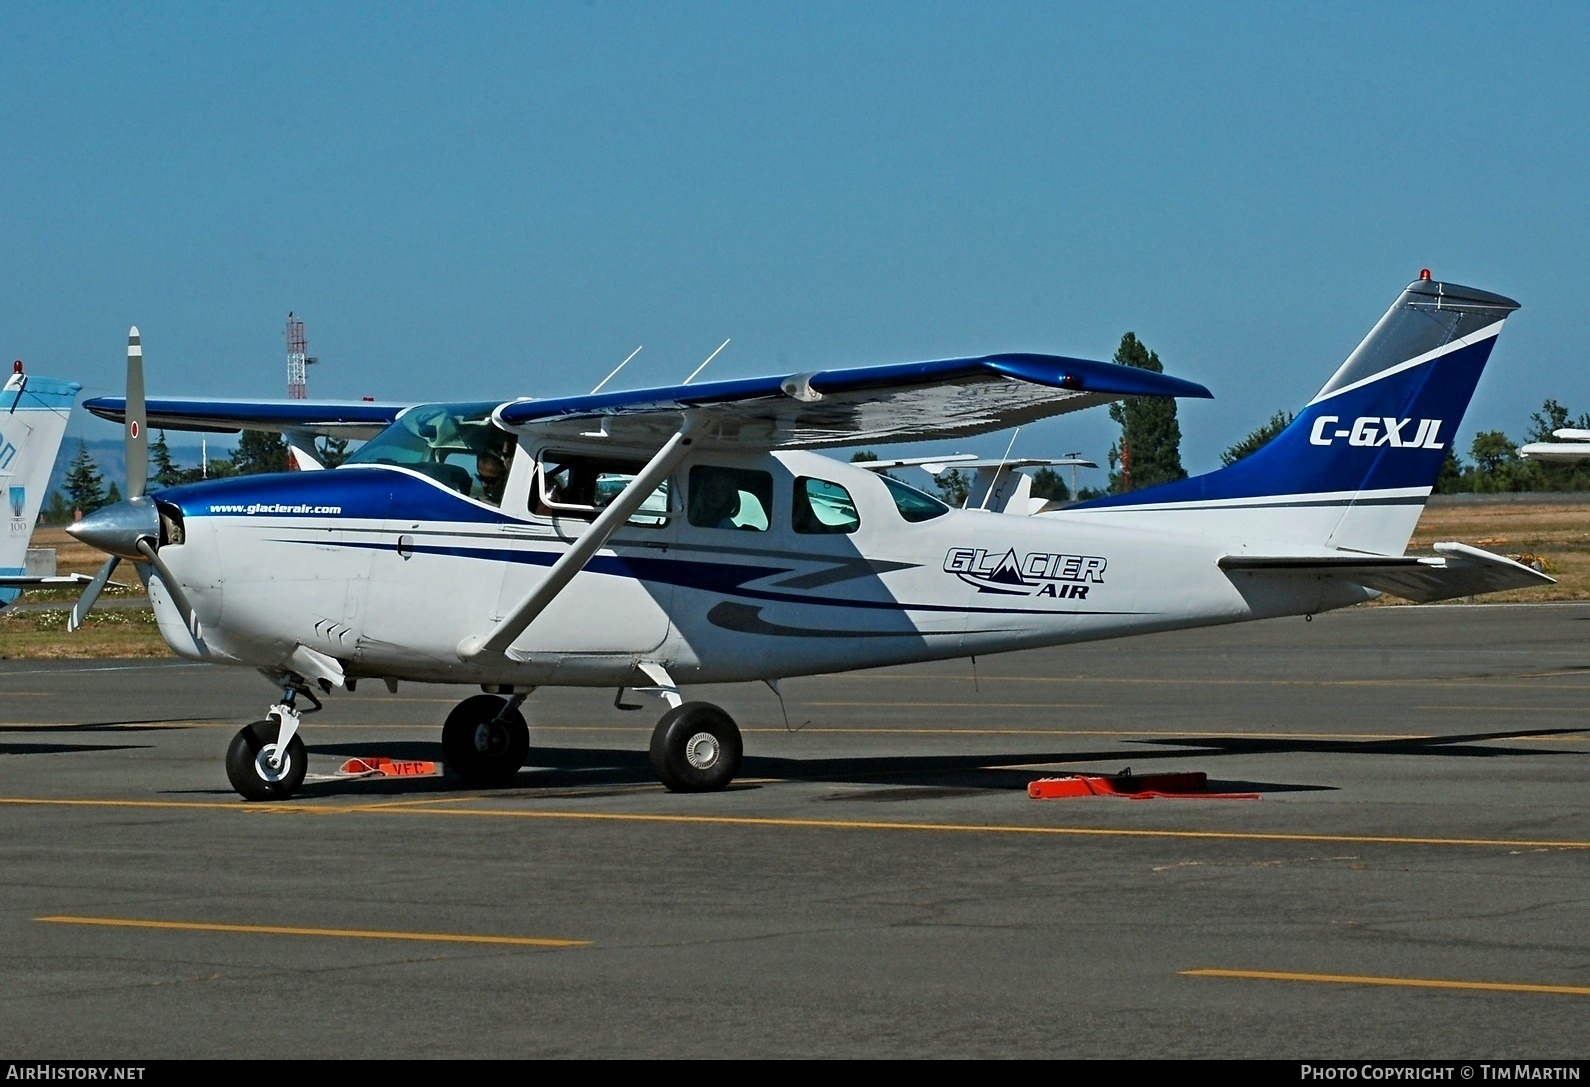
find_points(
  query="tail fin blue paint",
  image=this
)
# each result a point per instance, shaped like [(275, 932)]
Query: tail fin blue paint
[(1355, 466), (33, 415)]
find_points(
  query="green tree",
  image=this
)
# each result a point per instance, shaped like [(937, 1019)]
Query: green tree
[(1257, 439), (1452, 478), (954, 487), (1496, 464), (85, 487), (112, 494), (166, 472), (1047, 484), (333, 451), (257, 451), (1149, 450), (56, 510)]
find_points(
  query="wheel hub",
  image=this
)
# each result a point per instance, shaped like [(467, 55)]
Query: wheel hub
[(490, 740), (702, 750), (264, 764)]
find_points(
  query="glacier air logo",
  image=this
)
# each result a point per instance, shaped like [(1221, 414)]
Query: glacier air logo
[(19, 499), (1375, 431), (1064, 577)]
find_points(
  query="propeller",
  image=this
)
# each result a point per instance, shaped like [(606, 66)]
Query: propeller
[(129, 529)]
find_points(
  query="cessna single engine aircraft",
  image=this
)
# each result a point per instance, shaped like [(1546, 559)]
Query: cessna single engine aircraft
[(33, 416), (655, 539)]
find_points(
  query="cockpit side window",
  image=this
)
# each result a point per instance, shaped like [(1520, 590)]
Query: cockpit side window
[(577, 485), (913, 505), (821, 507), (456, 444)]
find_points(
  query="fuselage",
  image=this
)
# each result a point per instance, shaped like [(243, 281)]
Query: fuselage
[(821, 567)]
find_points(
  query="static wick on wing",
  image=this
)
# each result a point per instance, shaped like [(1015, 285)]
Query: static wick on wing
[(703, 366)]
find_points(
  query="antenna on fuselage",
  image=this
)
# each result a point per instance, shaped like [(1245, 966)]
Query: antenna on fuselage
[(703, 366), (616, 369)]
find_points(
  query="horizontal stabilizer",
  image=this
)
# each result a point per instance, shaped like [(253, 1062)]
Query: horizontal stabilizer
[(1457, 570)]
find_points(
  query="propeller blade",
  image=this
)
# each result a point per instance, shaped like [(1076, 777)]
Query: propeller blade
[(137, 419), (91, 594), (178, 597)]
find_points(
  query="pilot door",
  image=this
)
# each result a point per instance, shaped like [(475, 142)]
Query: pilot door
[(619, 603)]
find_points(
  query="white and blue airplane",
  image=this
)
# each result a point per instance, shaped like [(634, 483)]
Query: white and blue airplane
[(33, 416), (655, 539)]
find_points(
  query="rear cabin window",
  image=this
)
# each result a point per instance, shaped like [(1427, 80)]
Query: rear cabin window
[(573, 485), (822, 507), (913, 505), (730, 497)]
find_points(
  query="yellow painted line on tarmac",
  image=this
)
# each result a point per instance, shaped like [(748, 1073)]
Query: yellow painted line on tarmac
[(290, 808), (1412, 983), (348, 933), (1460, 681)]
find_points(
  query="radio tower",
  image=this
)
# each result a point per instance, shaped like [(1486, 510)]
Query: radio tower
[(297, 362)]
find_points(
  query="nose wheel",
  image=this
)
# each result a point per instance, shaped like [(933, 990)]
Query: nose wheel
[(485, 740), (266, 760), (696, 748)]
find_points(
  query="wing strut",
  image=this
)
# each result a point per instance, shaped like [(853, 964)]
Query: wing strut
[(591, 540)]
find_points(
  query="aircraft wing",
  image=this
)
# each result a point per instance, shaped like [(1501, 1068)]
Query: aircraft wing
[(1456, 570), (864, 405), (358, 419)]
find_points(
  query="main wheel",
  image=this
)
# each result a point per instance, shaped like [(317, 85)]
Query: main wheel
[(696, 748), (482, 745), (248, 762)]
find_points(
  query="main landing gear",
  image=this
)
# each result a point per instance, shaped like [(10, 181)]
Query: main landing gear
[(696, 748), (485, 739)]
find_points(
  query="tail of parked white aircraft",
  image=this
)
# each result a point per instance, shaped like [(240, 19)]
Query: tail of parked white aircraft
[(33, 415), (1353, 470)]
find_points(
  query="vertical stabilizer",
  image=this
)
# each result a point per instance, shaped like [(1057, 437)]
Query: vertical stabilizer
[(1354, 468), (33, 415)]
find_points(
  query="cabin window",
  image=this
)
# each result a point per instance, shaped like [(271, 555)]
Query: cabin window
[(913, 505), (574, 485), (730, 497), (822, 507), (455, 444)]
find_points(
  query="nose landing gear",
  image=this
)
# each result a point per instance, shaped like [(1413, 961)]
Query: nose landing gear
[(267, 759)]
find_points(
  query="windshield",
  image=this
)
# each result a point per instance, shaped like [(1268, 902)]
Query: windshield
[(456, 444)]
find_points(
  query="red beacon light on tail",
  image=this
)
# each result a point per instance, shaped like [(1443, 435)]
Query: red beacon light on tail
[(16, 367), (1424, 273)]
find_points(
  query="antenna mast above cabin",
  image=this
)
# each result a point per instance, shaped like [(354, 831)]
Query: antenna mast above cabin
[(298, 362)]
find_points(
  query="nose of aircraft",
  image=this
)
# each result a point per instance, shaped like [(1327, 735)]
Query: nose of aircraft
[(117, 529)]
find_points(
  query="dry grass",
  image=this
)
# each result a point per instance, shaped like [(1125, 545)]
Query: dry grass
[(112, 632), (1557, 534)]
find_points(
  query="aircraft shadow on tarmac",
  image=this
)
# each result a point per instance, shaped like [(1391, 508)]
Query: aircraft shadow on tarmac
[(152, 724), (927, 775), (65, 749)]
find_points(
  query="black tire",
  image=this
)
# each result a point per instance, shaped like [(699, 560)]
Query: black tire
[(482, 746), (249, 772), (696, 748)]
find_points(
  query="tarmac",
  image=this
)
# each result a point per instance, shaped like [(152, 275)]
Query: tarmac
[(1410, 883)]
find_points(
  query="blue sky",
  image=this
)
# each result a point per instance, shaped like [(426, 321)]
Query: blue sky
[(482, 200)]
